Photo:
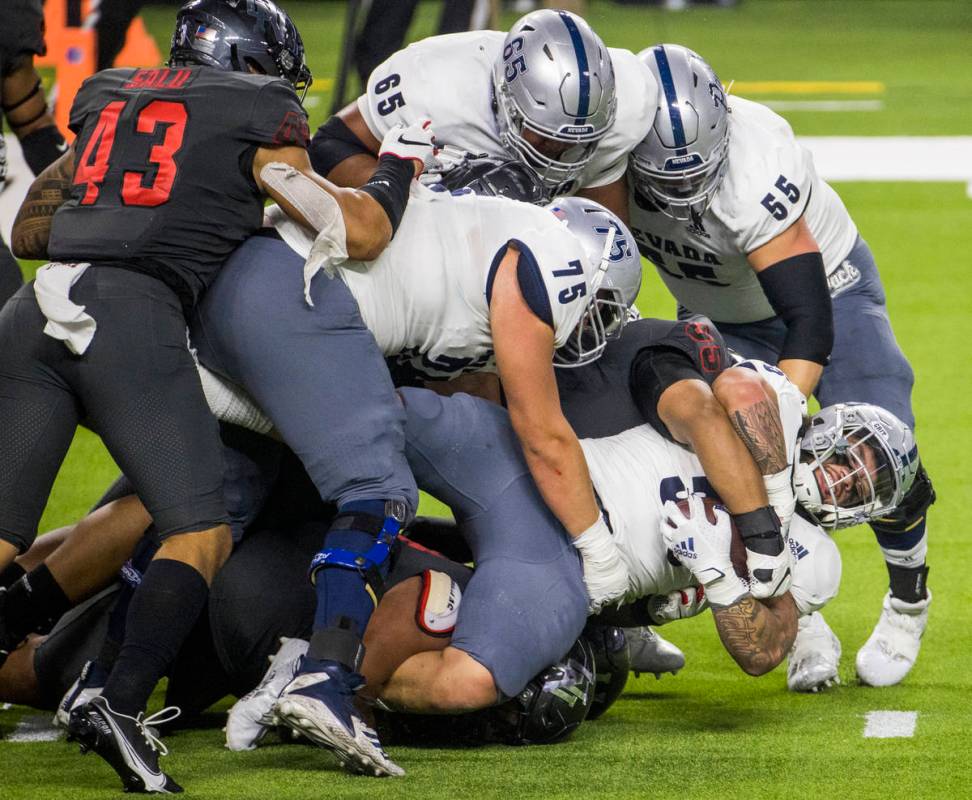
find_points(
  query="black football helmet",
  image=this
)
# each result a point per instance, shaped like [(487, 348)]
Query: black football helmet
[(240, 36), (553, 704), (496, 177), (612, 662)]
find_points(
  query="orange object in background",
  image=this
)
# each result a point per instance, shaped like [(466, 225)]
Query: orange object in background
[(72, 51)]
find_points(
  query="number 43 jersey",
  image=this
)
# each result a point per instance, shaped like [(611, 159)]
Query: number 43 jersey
[(770, 183), (163, 178)]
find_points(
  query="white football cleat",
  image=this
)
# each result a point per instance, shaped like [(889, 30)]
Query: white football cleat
[(252, 715), (890, 653), (815, 656), (649, 652)]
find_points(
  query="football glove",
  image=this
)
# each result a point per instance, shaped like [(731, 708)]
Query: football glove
[(703, 547), (767, 552), (605, 573), (680, 604), (415, 142)]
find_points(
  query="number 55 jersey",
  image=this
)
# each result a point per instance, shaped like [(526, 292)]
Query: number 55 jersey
[(770, 183), (163, 180)]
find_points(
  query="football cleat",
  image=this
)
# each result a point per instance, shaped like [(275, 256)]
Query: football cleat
[(815, 656), (319, 704), (651, 653), (252, 715), (88, 685), (890, 653), (126, 743)]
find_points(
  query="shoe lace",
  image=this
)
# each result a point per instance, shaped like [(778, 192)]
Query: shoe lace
[(167, 714)]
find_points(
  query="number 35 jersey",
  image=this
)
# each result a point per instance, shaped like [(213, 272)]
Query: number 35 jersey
[(770, 183), (163, 178)]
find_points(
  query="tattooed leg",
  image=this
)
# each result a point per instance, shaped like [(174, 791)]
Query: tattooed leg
[(757, 633)]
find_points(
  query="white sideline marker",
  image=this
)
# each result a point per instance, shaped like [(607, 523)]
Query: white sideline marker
[(37, 728), (890, 724)]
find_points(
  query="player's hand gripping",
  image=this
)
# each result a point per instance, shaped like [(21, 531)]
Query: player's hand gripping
[(703, 547), (415, 142), (680, 604), (605, 573), (767, 552)]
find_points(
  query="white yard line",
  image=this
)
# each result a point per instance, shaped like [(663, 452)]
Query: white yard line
[(37, 728), (890, 724)]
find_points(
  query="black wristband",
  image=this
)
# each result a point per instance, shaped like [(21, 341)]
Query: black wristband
[(758, 524), (797, 289), (389, 185), (42, 147)]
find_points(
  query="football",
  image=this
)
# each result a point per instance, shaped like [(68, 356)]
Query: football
[(738, 550)]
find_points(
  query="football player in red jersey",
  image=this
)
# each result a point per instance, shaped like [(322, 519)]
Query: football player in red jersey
[(167, 175)]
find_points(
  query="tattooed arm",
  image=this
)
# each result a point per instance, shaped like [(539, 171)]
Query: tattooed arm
[(50, 189), (758, 633)]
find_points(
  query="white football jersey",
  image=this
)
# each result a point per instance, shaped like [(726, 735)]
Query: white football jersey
[(637, 471), (426, 297), (770, 182), (448, 79)]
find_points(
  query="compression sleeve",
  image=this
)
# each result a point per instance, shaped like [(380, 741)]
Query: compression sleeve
[(796, 287)]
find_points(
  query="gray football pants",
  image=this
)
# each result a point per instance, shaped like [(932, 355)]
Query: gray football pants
[(316, 371), (525, 604)]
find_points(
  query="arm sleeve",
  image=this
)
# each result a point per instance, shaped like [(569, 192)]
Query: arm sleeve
[(277, 117), (797, 289)]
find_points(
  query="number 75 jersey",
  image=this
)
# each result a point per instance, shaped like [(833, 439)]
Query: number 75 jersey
[(770, 183), (163, 178)]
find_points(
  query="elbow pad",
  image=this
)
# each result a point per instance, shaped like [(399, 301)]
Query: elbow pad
[(797, 289), (332, 144)]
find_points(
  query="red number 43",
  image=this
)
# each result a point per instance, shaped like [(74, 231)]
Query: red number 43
[(93, 165)]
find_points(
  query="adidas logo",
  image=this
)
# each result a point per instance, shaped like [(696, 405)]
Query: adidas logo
[(798, 550), (685, 548)]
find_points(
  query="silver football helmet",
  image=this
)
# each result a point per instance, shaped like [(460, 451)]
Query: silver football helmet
[(857, 462), (682, 160), (614, 286), (554, 92)]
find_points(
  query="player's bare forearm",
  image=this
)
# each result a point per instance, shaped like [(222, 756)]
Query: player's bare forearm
[(757, 633), (753, 409), (803, 374), (49, 191), (695, 417)]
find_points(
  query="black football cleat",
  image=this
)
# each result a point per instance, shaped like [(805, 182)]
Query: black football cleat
[(126, 743)]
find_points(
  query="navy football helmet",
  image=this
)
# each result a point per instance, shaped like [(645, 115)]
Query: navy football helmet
[(240, 36), (612, 663)]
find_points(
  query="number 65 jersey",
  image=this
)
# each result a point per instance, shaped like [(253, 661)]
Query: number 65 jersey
[(770, 183), (163, 180)]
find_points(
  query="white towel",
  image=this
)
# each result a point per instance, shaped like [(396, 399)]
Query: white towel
[(66, 320)]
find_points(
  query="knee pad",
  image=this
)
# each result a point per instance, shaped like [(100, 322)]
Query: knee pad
[(372, 564)]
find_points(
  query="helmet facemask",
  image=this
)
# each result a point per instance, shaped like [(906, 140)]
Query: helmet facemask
[(847, 474)]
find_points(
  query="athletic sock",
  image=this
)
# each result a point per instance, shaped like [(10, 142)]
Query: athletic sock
[(10, 574), (163, 610), (34, 603)]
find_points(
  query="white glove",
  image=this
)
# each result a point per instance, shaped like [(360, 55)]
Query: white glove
[(703, 547), (680, 604), (605, 573), (779, 490), (415, 142)]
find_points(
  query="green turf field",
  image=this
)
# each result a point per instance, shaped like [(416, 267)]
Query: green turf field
[(711, 731)]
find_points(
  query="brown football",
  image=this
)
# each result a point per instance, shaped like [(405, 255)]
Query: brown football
[(738, 550)]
